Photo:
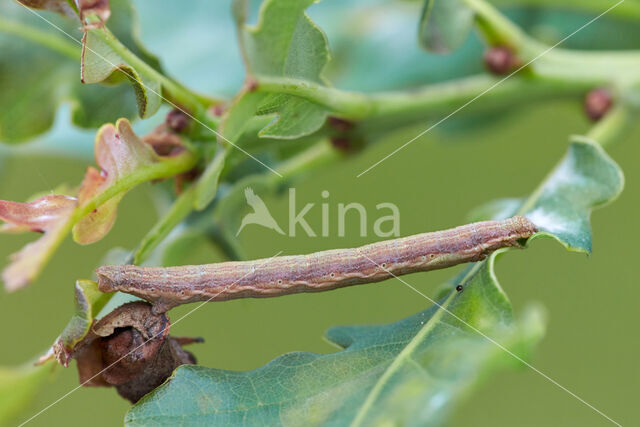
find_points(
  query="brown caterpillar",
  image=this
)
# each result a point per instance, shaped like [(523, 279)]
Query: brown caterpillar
[(168, 287)]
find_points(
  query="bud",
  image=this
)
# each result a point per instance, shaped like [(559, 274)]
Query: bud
[(177, 120), (500, 59), (339, 124), (341, 143), (597, 103)]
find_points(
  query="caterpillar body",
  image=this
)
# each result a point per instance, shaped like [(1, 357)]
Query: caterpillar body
[(167, 287)]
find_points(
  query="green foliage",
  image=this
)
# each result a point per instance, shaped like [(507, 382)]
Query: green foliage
[(276, 128), (102, 62), (406, 373), (125, 161), (46, 62), (585, 178), (286, 43), (444, 25), (413, 371)]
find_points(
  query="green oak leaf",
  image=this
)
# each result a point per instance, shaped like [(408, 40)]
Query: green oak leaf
[(232, 126), (297, 117), (102, 63), (410, 372), (207, 186), (39, 71), (444, 25), (585, 178), (286, 43)]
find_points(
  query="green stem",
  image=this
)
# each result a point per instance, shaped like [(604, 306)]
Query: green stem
[(163, 169), (553, 63), (611, 126), (318, 154), (175, 92), (44, 38), (449, 95), (495, 26), (434, 97), (351, 105), (628, 9), (207, 185), (178, 211)]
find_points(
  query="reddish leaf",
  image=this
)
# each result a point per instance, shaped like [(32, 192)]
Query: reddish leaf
[(62, 7), (40, 215), (119, 153), (98, 7), (125, 161), (98, 223), (69, 8), (48, 215)]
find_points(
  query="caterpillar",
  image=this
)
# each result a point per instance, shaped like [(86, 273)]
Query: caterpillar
[(167, 287)]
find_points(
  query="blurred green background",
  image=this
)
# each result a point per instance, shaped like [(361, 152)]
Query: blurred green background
[(591, 346)]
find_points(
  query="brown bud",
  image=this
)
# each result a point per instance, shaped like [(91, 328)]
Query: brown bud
[(341, 143), (163, 141), (99, 7), (217, 110), (188, 176), (500, 60), (338, 124), (131, 350), (177, 120), (597, 103)]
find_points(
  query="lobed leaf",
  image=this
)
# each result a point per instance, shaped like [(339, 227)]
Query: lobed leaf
[(48, 215), (102, 63), (406, 373), (39, 71), (125, 162), (412, 371), (286, 43), (585, 178), (119, 153)]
